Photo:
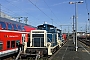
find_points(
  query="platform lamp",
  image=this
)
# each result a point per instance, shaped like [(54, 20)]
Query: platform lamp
[(76, 18)]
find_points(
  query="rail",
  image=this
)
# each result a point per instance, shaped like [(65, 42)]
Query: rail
[(18, 55)]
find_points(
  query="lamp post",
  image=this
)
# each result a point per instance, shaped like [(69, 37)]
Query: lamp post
[(76, 18), (73, 30)]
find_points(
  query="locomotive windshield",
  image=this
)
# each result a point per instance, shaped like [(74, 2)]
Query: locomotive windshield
[(38, 40)]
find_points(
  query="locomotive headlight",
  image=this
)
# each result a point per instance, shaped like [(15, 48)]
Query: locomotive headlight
[(48, 44)]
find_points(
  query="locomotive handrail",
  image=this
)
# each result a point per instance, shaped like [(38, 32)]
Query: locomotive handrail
[(50, 40)]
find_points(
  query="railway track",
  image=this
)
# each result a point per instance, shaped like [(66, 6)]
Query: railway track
[(14, 57), (9, 57), (86, 42)]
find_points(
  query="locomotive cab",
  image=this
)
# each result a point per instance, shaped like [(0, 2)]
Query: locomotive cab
[(38, 43)]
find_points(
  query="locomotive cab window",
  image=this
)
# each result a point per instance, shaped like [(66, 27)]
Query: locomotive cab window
[(3, 25), (8, 44), (38, 40), (1, 45), (12, 44)]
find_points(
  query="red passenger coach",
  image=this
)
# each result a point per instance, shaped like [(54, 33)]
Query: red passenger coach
[(64, 36), (12, 34), (28, 28)]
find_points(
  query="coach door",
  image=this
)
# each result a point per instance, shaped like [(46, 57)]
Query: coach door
[(28, 41), (23, 38)]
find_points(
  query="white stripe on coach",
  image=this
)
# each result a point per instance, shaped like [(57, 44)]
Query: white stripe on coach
[(12, 31)]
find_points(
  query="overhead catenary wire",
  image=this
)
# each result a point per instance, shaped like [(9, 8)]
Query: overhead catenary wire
[(21, 9), (50, 9), (39, 9), (51, 12), (15, 6), (9, 11)]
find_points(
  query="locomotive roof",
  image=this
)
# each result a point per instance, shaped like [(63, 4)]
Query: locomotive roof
[(47, 25), (58, 29)]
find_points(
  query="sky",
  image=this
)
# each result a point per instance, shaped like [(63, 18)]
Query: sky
[(56, 12)]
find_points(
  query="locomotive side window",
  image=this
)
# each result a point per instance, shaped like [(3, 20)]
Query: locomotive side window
[(12, 44), (3, 25), (9, 26), (8, 44), (1, 45), (14, 26), (17, 43)]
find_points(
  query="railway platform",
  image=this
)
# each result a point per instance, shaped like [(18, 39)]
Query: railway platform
[(67, 52)]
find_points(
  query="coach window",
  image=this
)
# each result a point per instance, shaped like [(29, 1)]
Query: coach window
[(9, 26), (17, 43), (12, 44), (14, 26), (3, 25), (23, 29), (8, 44), (1, 45), (19, 28)]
